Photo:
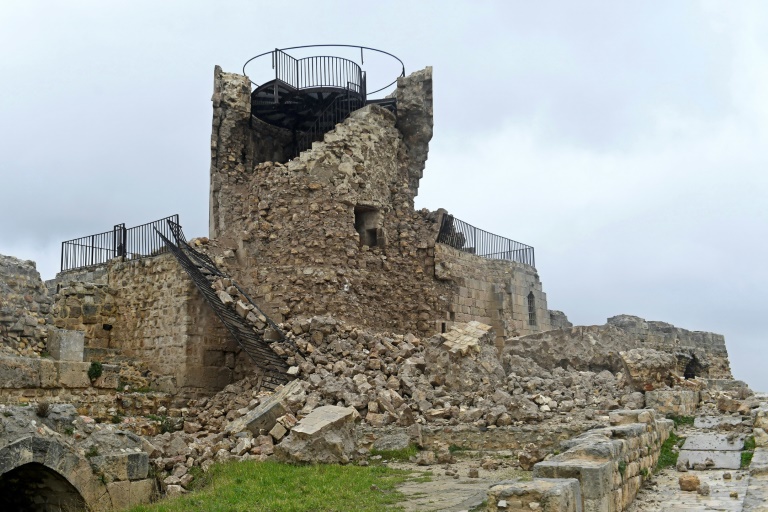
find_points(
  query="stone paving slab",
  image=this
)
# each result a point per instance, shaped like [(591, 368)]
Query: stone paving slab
[(756, 499), (759, 465), (722, 459), (718, 442), (715, 421), (667, 496)]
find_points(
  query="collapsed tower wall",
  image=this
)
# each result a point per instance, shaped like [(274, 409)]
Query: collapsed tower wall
[(334, 231)]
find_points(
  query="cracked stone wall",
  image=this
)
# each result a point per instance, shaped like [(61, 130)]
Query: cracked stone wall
[(334, 231)]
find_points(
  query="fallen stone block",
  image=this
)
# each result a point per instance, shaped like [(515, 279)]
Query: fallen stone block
[(326, 435), (264, 417), (648, 369), (689, 482)]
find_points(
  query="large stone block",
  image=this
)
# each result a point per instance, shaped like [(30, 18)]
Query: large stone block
[(122, 466), (19, 372), (265, 415), (66, 345), (680, 402), (326, 435), (73, 374), (595, 478), (545, 494)]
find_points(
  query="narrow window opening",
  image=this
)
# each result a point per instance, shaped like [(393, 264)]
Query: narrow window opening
[(443, 328), (367, 225), (531, 309)]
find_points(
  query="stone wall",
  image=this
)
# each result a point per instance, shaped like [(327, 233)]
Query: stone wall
[(494, 292), (597, 347), (610, 465), (25, 308), (149, 310)]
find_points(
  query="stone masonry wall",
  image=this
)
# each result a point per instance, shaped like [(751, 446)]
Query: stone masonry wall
[(25, 308), (493, 292), (596, 347), (149, 310), (610, 463)]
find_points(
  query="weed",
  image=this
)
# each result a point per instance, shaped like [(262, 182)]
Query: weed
[(92, 452), (749, 451), (403, 454), (69, 431), (645, 472), (95, 370), (117, 418), (622, 468), (43, 408), (681, 420), (454, 448), (668, 457), (7, 414)]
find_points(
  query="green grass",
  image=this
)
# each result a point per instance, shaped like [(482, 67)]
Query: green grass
[(681, 420), (455, 449), (667, 457), (272, 486), (403, 454), (749, 451)]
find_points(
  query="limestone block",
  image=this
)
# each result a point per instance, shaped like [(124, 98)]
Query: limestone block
[(66, 345), (19, 372), (110, 377), (681, 402), (326, 435), (550, 495), (126, 494), (49, 374), (595, 478), (73, 374), (264, 417), (122, 466)]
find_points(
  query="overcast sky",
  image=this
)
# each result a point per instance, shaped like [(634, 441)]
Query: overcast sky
[(625, 141)]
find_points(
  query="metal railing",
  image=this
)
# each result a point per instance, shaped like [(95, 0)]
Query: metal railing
[(465, 237), (323, 71), (320, 71), (132, 243), (335, 113)]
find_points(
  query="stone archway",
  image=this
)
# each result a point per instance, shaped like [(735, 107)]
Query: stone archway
[(33, 487), (50, 466)]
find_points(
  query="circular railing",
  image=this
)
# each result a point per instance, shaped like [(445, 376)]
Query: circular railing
[(322, 71)]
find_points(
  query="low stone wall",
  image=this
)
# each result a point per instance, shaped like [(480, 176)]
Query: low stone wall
[(609, 463), (678, 402), (25, 380)]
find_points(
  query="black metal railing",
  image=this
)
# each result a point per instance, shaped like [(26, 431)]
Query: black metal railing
[(335, 113), (323, 71), (466, 237), (320, 71), (132, 243)]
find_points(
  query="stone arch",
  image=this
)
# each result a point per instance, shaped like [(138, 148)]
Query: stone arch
[(56, 462)]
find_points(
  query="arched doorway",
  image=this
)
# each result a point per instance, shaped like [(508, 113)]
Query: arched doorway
[(33, 487)]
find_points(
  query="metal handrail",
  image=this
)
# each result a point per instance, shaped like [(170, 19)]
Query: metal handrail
[(467, 238), (282, 62), (133, 243)]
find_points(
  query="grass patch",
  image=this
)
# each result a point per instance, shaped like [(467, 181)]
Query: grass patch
[(749, 451), (455, 449), (668, 457), (426, 476), (249, 485), (403, 454), (681, 420)]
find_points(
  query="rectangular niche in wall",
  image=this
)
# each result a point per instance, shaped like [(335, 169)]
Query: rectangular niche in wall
[(368, 226)]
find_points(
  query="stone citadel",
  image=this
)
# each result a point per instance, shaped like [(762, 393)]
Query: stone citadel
[(322, 297)]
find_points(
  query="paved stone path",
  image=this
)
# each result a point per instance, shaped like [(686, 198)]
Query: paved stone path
[(445, 492)]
